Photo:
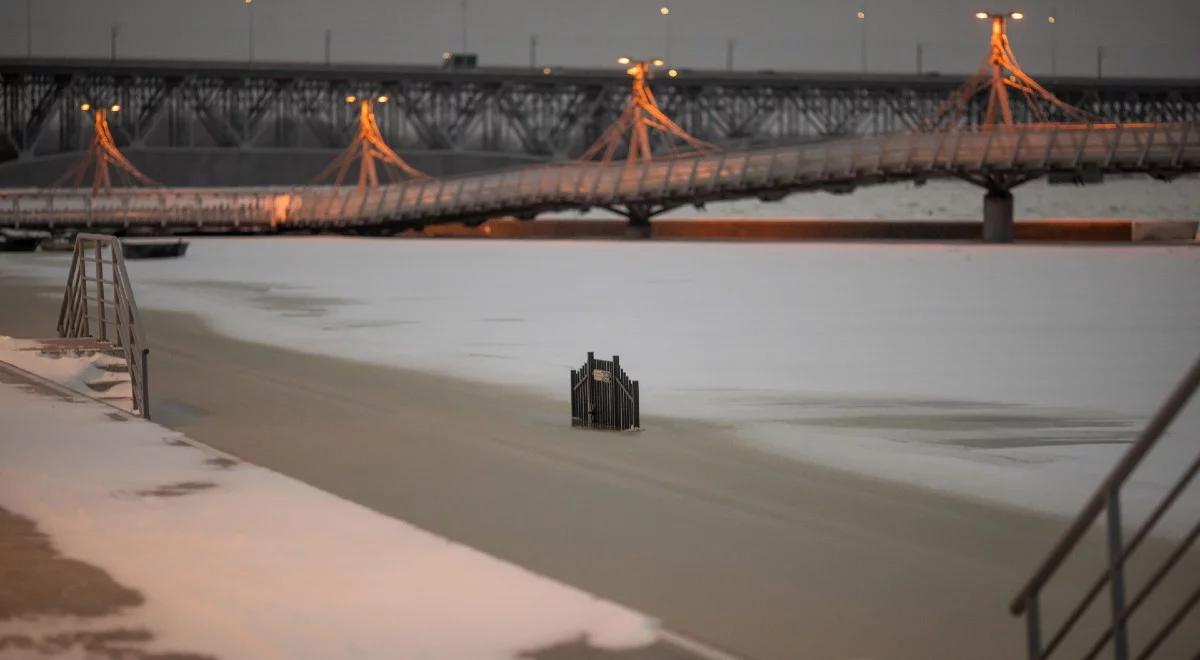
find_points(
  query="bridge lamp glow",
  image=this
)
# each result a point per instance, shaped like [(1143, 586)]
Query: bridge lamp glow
[(623, 60), (1051, 20), (546, 71), (85, 106), (1016, 15), (981, 15), (862, 15), (116, 107), (382, 98), (673, 73), (664, 10), (445, 55), (658, 61), (350, 98)]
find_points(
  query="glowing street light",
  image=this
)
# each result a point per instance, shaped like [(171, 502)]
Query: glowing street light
[(624, 59), (85, 106), (547, 71), (658, 61), (116, 107), (673, 73), (981, 15), (1016, 15), (382, 98), (350, 98)]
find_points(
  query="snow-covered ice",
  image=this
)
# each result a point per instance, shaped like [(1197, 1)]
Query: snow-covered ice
[(1010, 373), (236, 561)]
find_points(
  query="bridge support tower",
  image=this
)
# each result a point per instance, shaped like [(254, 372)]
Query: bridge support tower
[(998, 216)]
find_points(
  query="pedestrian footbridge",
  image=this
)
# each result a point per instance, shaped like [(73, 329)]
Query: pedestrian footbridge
[(996, 158)]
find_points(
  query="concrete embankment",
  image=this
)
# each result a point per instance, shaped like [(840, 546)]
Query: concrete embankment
[(729, 229)]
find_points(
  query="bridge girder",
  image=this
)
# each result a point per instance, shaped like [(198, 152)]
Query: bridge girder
[(501, 111)]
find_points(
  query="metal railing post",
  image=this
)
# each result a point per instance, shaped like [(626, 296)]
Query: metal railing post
[(1116, 571), (1033, 628)]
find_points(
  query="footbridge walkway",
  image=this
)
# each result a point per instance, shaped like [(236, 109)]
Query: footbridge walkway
[(997, 159)]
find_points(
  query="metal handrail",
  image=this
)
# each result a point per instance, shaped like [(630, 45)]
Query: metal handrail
[(111, 290), (1107, 498)]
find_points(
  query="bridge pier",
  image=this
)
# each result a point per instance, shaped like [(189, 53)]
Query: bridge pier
[(998, 216), (638, 226)]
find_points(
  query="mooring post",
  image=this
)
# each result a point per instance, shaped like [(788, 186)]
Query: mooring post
[(998, 216), (618, 400)]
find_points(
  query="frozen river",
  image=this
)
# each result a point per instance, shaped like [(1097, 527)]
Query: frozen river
[(1013, 374)]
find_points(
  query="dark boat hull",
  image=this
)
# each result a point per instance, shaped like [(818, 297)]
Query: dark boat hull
[(161, 250), (22, 244)]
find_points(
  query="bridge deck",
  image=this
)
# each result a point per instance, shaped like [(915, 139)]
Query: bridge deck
[(1027, 151)]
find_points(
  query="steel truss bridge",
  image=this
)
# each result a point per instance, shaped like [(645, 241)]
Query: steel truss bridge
[(996, 158), (491, 110)]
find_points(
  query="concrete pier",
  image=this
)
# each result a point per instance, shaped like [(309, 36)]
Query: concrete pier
[(998, 217)]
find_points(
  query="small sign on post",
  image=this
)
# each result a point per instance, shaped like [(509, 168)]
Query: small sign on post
[(603, 396)]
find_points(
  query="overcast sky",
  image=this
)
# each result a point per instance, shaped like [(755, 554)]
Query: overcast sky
[(1148, 37)]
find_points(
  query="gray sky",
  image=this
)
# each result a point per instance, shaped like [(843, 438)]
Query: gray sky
[(1148, 37)]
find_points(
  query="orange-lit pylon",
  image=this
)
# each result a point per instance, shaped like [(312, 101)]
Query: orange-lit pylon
[(371, 152), (641, 116), (100, 154), (999, 73)]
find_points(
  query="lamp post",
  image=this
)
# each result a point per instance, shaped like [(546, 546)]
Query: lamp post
[(250, 28), (29, 29), (1052, 19), (862, 37), (462, 18), (112, 50), (533, 44), (729, 53), (666, 14)]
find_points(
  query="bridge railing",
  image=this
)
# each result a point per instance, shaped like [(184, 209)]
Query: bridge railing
[(1123, 602), (1029, 149)]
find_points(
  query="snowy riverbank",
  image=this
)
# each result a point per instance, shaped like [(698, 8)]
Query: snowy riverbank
[(191, 551)]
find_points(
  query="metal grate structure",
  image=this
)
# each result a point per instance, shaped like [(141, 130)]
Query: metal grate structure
[(604, 397), (98, 305), (1018, 153), (1115, 639)]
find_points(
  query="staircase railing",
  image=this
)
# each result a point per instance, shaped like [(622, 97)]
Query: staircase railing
[(1106, 500), (98, 303)]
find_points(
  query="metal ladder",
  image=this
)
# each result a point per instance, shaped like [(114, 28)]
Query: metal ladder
[(98, 305)]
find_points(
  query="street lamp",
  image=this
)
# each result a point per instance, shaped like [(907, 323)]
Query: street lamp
[(666, 14), (250, 27), (862, 35), (85, 106), (1053, 21), (116, 107)]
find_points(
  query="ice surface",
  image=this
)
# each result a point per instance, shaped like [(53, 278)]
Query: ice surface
[(1012, 373), (235, 561)]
